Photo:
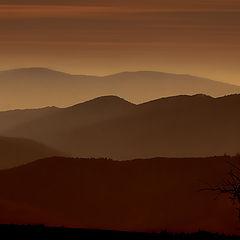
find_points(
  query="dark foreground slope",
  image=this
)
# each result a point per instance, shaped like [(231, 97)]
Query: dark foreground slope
[(179, 126), (41, 230), (17, 151), (140, 195)]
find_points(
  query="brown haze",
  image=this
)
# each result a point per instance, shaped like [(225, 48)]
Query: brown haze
[(141, 195), (180, 126), (11, 119), (16, 152), (40, 87), (102, 37), (141, 51)]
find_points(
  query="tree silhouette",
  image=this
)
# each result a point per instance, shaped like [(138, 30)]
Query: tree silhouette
[(229, 186)]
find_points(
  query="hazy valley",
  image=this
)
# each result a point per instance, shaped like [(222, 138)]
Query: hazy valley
[(181, 126)]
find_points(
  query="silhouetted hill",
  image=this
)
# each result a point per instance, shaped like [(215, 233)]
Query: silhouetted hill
[(178, 126), (37, 87), (107, 106), (140, 195), (68, 119), (16, 151), (41, 230)]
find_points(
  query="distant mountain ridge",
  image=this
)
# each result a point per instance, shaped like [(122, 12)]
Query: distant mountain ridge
[(38, 87), (180, 126)]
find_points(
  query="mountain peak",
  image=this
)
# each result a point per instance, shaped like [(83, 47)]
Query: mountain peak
[(201, 95), (108, 98), (105, 101)]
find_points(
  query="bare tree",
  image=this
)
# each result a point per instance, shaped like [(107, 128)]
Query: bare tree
[(229, 186)]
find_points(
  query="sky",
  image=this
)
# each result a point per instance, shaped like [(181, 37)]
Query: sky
[(100, 37)]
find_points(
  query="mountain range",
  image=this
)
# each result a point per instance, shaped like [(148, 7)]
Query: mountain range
[(142, 195), (180, 126), (39, 87)]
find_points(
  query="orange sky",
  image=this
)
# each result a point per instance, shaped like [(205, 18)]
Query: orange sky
[(102, 37)]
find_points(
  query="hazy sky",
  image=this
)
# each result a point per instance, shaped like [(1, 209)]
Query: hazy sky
[(200, 37)]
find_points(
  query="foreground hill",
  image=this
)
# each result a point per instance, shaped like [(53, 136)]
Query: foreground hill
[(41, 230), (16, 151), (140, 195), (178, 126), (37, 87)]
